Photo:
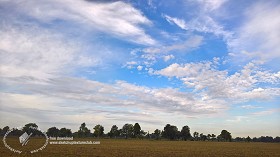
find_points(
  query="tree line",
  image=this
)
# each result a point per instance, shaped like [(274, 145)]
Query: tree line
[(170, 132)]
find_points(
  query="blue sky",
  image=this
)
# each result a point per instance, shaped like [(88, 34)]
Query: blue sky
[(208, 64)]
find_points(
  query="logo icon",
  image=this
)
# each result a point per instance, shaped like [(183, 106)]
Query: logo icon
[(33, 134), (24, 138)]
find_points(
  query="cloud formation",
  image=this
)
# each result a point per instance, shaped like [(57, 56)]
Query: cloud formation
[(117, 18), (203, 23), (259, 36), (205, 79), (39, 53)]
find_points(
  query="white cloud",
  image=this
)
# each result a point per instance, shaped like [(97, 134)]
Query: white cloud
[(211, 5), (168, 57), (150, 55), (258, 37), (205, 79), (191, 43), (130, 64), (39, 53), (116, 18), (204, 20), (139, 67), (75, 100), (238, 119), (266, 112), (202, 23), (250, 107), (179, 22)]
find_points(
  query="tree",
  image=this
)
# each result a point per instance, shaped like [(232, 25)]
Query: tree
[(248, 139), (98, 130), (225, 136), (28, 128), (114, 132), (63, 132), (185, 133), (142, 134), (170, 132), (157, 133), (83, 131), (213, 137), (277, 139), (266, 139), (127, 130), (203, 137), (136, 130), (209, 137), (4, 130), (255, 139), (32, 128), (53, 132), (195, 135)]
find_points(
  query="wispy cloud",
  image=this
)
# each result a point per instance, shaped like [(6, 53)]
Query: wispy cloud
[(37, 53), (266, 112), (259, 36), (211, 5), (250, 107), (191, 43), (203, 23), (118, 18), (238, 119)]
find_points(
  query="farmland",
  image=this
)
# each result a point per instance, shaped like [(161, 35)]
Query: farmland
[(135, 147)]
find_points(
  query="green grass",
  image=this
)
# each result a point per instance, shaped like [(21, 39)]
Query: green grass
[(130, 148)]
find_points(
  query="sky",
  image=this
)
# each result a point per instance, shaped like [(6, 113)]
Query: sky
[(208, 64)]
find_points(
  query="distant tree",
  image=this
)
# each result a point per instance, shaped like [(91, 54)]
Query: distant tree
[(4, 130), (83, 131), (157, 133), (185, 133), (225, 136), (136, 130), (17, 132), (127, 130), (53, 132), (248, 139), (28, 127), (98, 130), (209, 137), (213, 137), (202, 137), (64, 132), (170, 131), (255, 139), (219, 138), (148, 136), (277, 139), (142, 134), (114, 132), (266, 139), (32, 128), (121, 133), (238, 139), (195, 135)]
